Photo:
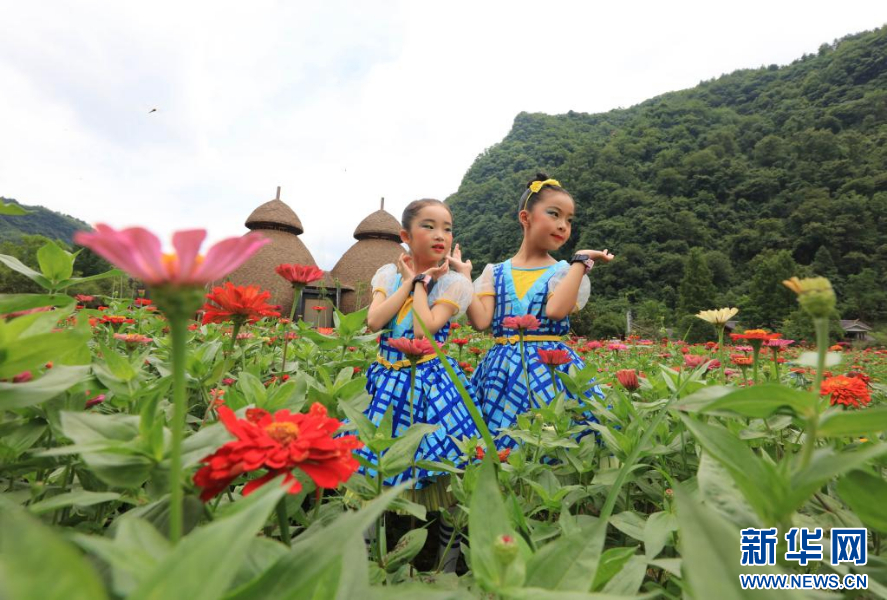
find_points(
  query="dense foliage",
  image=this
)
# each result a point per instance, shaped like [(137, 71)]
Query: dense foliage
[(765, 171)]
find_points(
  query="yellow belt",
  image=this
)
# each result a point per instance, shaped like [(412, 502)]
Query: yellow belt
[(528, 338), (403, 364)]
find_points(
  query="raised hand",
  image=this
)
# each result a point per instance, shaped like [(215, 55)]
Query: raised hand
[(603, 255), (455, 261), (405, 267)]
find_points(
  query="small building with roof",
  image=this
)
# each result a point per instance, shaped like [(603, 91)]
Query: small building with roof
[(855, 330), (279, 223), (346, 286), (378, 243)]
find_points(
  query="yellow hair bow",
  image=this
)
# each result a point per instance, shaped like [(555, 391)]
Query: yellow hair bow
[(538, 185)]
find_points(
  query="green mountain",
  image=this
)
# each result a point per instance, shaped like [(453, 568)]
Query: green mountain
[(769, 172), (39, 221)]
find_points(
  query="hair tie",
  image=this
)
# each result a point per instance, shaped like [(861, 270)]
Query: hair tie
[(535, 186)]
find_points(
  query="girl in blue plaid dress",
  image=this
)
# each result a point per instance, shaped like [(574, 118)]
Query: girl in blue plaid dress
[(530, 283), (421, 284)]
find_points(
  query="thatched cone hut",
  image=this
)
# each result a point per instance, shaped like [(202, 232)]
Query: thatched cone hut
[(277, 221), (378, 243)]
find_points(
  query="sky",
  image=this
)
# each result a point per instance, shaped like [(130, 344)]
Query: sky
[(339, 103)]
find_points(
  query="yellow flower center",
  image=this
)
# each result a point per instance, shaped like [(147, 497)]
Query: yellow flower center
[(284, 433)]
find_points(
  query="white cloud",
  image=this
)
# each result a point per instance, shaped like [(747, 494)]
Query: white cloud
[(339, 103)]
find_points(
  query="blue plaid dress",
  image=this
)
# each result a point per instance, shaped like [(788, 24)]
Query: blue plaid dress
[(499, 378), (436, 401)]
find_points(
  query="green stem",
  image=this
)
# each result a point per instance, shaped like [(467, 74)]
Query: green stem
[(821, 326), (721, 355), (523, 362), (297, 295), (756, 350), (283, 521), (179, 331)]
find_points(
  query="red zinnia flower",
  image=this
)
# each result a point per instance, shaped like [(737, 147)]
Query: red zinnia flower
[(741, 361), (325, 330), (480, 454), (412, 348), (554, 357), (116, 319), (84, 298), (279, 444), (629, 379), (476, 351), (455, 326), (460, 341), (523, 323), (299, 274), (849, 391), (319, 308), (142, 302), (232, 302), (694, 360)]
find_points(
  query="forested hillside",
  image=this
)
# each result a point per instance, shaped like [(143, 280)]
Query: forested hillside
[(710, 196)]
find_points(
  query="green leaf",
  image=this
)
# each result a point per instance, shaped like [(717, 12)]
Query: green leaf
[(57, 264), (19, 267), (657, 530), (824, 466), (78, 280), (402, 452), (54, 382), (29, 353), (133, 553), (629, 579), (16, 302), (365, 427), (720, 492), (214, 551), (409, 545), (630, 523), (852, 424), (711, 554), (865, 493), (78, 498), (761, 401), (569, 563), (757, 479), (611, 563), (487, 522), (36, 562), (314, 553), (252, 388), (112, 454)]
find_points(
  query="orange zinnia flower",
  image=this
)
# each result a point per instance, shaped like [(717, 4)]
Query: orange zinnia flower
[(279, 444), (849, 391), (629, 379), (233, 302)]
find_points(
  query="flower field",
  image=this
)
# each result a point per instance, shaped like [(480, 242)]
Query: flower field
[(197, 444)]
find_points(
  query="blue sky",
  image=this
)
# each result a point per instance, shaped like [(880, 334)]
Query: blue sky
[(339, 103)]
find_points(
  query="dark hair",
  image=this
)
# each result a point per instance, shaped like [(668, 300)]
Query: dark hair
[(413, 208), (528, 199)]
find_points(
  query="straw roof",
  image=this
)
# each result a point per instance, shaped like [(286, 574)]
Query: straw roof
[(285, 247), (379, 225), (358, 265), (275, 215)]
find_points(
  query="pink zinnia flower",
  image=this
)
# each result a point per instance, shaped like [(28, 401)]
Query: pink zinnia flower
[(694, 360), (138, 252), (412, 348), (616, 346), (523, 323)]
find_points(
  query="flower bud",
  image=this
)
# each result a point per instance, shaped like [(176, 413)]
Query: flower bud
[(505, 548), (815, 295)]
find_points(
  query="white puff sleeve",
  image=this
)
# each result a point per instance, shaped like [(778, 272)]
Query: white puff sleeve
[(584, 286), (454, 289), (383, 280), (483, 285)]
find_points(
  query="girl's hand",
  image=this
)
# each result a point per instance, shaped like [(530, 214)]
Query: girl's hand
[(405, 268), (603, 255), (438, 272), (455, 261)]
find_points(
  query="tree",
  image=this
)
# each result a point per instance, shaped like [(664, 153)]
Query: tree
[(697, 289), (771, 302)]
